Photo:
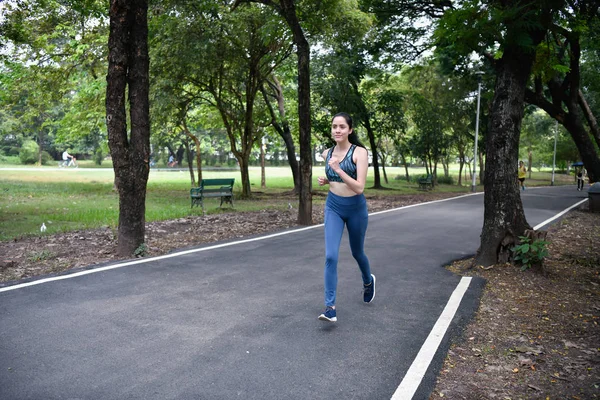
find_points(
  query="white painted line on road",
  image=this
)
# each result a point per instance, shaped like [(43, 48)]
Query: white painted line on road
[(560, 214), (417, 370), (429, 202), (181, 253), (145, 260)]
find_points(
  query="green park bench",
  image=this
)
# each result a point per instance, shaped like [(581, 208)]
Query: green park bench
[(210, 188), (426, 183)]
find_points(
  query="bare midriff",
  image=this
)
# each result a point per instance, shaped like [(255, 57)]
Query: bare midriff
[(341, 189)]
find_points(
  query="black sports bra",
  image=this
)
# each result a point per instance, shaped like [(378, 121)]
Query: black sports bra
[(347, 165)]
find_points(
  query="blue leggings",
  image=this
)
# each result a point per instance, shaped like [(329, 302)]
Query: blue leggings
[(351, 211)]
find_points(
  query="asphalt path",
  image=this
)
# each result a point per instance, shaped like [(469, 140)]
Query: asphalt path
[(239, 319)]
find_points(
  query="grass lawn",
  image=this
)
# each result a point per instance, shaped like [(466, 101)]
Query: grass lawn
[(68, 199)]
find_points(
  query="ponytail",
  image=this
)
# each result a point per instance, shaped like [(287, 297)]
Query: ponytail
[(353, 138)]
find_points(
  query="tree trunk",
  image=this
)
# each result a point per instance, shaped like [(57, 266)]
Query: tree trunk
[(190, 162), (374, 154), (461, 164), (574, 124), (482, 168), (198, 151), (590, 118), (246, 190), (470, 171), (246, 135), (288, 10), (263, 183), (567, 94), (572, 120), (504, 218), (40, 138), (529, 162), (406, 174), (283, 129), (128, 63), (179, 155), (385, 178)]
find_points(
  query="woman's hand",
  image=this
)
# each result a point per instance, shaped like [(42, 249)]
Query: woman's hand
[(335, 165), (322, 181)]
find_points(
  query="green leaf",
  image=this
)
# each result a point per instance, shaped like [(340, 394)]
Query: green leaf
[(561, 68)]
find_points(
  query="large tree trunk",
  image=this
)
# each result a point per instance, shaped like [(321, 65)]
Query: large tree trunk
[(504, 218), (288, 9), (128, 63)]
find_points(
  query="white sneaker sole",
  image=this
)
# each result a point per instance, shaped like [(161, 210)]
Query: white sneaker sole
[(374, 290), (323, 317)]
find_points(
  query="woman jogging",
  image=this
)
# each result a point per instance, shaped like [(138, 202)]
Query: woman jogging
[(522, 174), (346, 166)]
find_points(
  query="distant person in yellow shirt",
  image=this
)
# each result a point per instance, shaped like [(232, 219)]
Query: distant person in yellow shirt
[(522, 174)]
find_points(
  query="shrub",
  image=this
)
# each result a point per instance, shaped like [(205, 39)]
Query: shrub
[(46, 158), (98, 156), (530, 253), (412, 178), (446, 180), (29, 152), (141, 251)]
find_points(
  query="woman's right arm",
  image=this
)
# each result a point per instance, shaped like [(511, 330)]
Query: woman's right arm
[(321, 179)]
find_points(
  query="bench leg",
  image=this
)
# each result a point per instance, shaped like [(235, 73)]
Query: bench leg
[(226, 199)]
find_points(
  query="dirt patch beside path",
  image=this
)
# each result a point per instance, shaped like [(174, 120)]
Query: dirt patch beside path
[(534, 336)]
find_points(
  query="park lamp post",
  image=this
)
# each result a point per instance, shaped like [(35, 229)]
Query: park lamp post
[(554, 156), (474, 184)]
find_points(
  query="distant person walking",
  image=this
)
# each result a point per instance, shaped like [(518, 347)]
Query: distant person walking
[(522, 174), (346, 173), (581, 174)]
